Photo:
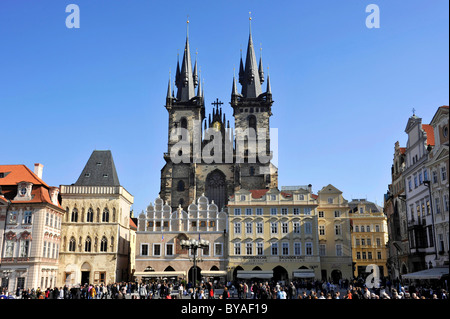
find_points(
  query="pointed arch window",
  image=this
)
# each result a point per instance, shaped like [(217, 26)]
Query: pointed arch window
[(180, 186), (88, 244), (104, 244), (105, 216), (252, 122), (90, 215), (74, 218), (72, 244), (183, 123)]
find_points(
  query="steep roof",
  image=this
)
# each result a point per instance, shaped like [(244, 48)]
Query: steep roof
[(12, 175), (430, 133), (99, 170)]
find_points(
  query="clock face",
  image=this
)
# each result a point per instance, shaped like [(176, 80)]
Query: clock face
[(216, 126)]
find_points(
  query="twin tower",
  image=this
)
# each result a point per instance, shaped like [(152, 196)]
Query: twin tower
[(205, 156)]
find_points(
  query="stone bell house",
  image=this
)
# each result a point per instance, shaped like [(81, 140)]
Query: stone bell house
[(97, 229), (30, 228)]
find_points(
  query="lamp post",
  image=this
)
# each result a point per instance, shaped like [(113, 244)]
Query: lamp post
[(194, 245), (428, 184)]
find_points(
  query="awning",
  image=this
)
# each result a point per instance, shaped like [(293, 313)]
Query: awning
[(303, 274), (160, 274), (254, 274), (213, 273), (433, 273)]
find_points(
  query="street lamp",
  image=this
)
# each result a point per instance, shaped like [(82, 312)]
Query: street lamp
[(194, 245), (428, 184)]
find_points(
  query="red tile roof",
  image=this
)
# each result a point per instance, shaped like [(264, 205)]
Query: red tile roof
[(430, 133), (14, 174), (402, 150)]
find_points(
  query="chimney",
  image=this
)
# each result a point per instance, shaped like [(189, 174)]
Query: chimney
[(38, 168)]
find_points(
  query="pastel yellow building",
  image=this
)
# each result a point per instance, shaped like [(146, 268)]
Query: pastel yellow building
[(369, 237), (273, 235), (334, 235)]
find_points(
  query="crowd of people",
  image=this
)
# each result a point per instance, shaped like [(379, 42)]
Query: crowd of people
[(245, 289)]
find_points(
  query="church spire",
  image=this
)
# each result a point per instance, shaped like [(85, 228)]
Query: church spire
[(186, 82), (260, 68), (251, 86)]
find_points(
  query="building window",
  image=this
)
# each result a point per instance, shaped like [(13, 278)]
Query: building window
[(252, 171), (90, 215), (379, 254), (260, 248), (274, 249), (358, 255), (425, 175), (87, 245), (242, 197), (356, 229), (104, 245), (337, 230), (237, 212), (44, 250), (321, 214), (441, 243), (443, 173), (273, 211), (274, 228), (284, 228), (415, 181), (361, 210), (437, 205), (27, 217), (237, 248), (205, 251), (378, 242), (337, 213), (296, 211), (307, 210), (217, 249), (357, 242), (273, 197), (144, 250), (24, 248), (308, 228), (284, 211), (330, 200), (446, 206), (105, 215), (297, 248), (338, 250), (322, 250), (285, 249), (237, 228), (322, 230), (248, 228), (74, 218), (364, 255), (248, 212), (249, 249), (296, 227), (259, 228), (156, 249), (259, 211), (309, 249), (180, 186), (72, 244), (435, 178), (369, 255)]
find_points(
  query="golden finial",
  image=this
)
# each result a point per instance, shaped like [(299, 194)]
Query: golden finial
[(250, 15)]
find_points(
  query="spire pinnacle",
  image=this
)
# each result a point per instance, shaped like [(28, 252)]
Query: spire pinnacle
[(251, 84)]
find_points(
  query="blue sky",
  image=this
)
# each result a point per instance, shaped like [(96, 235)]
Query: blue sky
[(343, 93)]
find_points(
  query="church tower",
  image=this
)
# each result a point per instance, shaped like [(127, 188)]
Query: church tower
[(252, 109), (186, 113)]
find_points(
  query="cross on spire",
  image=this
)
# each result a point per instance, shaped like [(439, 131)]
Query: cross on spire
[(414, 111), (216, 103)]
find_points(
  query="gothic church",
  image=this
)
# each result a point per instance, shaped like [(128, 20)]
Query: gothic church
[(224, 160)]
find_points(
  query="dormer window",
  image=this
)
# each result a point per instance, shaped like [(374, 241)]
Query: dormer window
[(24, 191)]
